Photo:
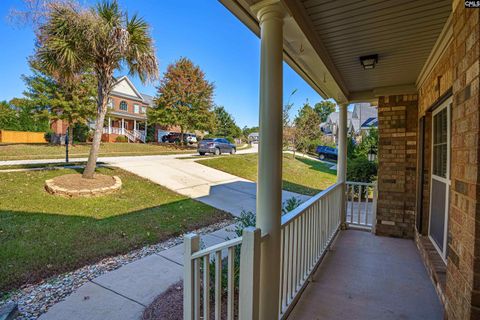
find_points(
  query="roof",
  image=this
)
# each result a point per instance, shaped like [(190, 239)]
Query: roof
[(125, 88)]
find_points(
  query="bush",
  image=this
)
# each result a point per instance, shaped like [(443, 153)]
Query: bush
[(121, 139), (80, 132), (48, 136), (361, 170)]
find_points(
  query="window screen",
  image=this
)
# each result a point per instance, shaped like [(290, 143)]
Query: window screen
[(440, 140)]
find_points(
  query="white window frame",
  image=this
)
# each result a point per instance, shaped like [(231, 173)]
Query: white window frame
[(136, 108), (120, 105), (110, 103), (443, 253), (144, 109)]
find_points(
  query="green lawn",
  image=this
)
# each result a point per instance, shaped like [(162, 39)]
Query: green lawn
[(301, 175), (42, 235), (46, 151)]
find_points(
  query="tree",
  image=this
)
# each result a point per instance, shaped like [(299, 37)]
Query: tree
[(289, 130), (72, 40), (8, 117), (27, 116), (72, 102), (225, 125), (247, 130), (307, 127), (324, 108), (184, 98)]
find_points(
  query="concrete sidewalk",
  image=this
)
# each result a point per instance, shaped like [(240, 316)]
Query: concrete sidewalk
[(124, 293)]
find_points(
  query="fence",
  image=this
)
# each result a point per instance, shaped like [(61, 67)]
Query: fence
[(197, 277), (7, 136), (307, 232), (361, 202)]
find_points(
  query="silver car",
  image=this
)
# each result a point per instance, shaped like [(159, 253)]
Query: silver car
[(216, 146)]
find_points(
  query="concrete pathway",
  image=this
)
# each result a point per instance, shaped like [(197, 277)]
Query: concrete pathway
[(124, 293)]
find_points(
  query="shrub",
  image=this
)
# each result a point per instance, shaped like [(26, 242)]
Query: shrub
[(361, 170), (121, 139), (80, 132), (48, 136)]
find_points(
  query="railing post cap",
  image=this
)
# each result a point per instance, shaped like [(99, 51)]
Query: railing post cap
[(190, 236)]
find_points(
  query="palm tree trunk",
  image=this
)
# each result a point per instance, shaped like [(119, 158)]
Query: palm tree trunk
[(97, 137)]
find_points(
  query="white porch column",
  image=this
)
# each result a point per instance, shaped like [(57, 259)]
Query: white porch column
[(269, 187), (342, 156), (134, 124), (109, 125), (123, 126)]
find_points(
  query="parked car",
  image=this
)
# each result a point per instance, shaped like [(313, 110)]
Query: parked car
[(216, 146), (325, 152), (174, 137)]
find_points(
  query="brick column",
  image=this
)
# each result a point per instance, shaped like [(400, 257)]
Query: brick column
[(397, 125), (463, 265)]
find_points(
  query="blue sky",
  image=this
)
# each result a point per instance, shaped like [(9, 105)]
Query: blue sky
[(202, 30)]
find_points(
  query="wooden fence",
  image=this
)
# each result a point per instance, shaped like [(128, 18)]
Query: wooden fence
[(7, 136)]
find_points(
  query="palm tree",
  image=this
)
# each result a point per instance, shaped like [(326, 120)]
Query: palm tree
[(72, 39)]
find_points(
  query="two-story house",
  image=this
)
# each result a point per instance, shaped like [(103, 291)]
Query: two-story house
[(127, 114)]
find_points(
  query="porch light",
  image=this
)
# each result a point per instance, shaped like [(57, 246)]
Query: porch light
[(372, 155), (368, 62)]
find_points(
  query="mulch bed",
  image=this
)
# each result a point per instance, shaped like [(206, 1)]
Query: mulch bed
[(169, 305), (76, 182)]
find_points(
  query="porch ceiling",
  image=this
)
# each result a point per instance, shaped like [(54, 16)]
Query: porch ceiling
[(402, 33)]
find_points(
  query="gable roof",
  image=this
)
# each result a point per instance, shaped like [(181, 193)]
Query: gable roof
[(125, 88)]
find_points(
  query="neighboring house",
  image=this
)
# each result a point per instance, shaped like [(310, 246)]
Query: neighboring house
[(363, 117), (127, 114), (253, 137)]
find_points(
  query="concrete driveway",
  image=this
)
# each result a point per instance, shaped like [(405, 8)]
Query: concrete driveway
[(187, 177)]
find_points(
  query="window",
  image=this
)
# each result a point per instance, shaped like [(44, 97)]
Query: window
[(440, 143), (123, 106), (144, 109), (110, 103), (136, 108)]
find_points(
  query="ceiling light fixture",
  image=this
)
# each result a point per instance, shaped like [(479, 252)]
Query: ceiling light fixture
[(369, 62)]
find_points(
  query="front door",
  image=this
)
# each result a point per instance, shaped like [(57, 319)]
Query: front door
[(440, 178)]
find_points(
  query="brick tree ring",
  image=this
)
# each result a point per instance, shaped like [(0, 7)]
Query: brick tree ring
[(73, 185)]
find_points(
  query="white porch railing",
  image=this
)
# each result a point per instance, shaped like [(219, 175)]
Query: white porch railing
[(112, 130), (197, 277), (306, 234), (361, 203)]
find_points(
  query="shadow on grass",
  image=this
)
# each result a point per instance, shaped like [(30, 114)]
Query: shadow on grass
[(317, 165), (39, 245)]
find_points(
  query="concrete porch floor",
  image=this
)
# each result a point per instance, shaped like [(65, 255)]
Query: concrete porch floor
[(369, 277)]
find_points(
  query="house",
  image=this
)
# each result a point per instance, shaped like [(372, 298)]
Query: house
[(363, 118), (418, 62), (127, 114), (253, 137)]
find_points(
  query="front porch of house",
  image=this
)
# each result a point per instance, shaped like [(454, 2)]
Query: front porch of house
[(368, 277), (133, 128)]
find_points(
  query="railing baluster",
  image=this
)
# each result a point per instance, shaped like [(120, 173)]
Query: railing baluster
[(191, 245), (197, 289), (206, 287), (218, 285), (231, 283), (359, 203)]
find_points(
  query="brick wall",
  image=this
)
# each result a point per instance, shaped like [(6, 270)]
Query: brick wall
[(397, 125), (463, 266)]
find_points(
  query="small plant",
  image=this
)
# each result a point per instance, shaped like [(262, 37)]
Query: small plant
[(121, 139), (290, 204)]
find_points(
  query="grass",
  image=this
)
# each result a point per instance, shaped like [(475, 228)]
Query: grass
[(42, 235), (300, 175), (46, 166), (47, 151)]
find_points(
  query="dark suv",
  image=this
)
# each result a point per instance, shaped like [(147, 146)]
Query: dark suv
[(174, 137), (325, 152), (216, 146)]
